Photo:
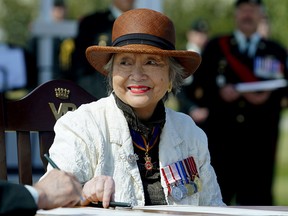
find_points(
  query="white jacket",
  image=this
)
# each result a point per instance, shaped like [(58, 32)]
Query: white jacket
[(95, 140)]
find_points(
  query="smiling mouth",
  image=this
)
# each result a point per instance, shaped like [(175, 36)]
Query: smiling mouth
[(140, 89)]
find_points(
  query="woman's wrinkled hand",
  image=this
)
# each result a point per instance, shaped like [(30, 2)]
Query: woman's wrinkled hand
[(99, 188)]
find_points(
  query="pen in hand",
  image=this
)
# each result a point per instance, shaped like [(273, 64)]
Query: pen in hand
[(98, 204), (51, 162)]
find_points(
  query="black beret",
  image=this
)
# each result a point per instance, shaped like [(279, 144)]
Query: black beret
[(59, 3), (200, 25), (258, 2)]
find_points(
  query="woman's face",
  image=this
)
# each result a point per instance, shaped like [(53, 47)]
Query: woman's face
[(141, 81)]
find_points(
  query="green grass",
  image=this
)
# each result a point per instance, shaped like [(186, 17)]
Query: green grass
[(280, 188)]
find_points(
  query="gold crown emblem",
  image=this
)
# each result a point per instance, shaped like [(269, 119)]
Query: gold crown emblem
[(62, 93)]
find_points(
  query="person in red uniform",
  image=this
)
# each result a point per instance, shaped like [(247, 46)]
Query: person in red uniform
[(242, 126)]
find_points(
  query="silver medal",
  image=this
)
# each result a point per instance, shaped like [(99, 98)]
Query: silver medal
[(183, 189), (177, 193)]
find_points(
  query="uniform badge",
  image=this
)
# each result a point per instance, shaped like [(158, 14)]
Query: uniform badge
[(268, 68)]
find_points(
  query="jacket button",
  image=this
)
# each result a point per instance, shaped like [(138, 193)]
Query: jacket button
[(241, 104), (240, 118)]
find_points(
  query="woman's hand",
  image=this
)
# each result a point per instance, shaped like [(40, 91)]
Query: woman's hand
[(99, 188)]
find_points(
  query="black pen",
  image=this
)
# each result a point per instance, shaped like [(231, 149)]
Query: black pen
[(111, 204), (51, 161)]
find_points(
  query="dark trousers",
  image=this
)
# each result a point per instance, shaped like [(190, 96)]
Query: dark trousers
[(243, 156)]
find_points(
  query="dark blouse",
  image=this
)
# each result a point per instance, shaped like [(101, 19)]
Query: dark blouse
[(154, 194)]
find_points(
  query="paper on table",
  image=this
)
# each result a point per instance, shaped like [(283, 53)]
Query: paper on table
[(137, 211), (261, 85), (215, 210), (96, 211)]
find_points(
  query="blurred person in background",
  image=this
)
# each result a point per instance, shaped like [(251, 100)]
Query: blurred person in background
[(197, 37), (243, 123), (264, 27), (95, 29), (60, 44), (59, 11)]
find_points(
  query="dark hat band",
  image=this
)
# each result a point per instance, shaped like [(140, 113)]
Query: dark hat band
[(143, 39)]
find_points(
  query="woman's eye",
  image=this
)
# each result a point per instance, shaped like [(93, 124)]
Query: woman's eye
[(124, 63), (151, 62)]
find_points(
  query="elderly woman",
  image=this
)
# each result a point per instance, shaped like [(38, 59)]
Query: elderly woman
[(128, 147)]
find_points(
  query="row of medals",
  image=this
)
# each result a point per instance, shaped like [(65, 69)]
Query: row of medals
[(182, 189)]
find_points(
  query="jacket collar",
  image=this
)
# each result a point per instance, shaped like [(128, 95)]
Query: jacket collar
[(119, 133)]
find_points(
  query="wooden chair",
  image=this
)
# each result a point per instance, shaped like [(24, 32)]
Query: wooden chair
[(36, 112)]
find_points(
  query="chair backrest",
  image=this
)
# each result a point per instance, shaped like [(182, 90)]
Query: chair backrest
[(37, 112)]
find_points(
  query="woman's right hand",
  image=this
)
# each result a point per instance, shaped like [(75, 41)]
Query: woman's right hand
[(99, 188)]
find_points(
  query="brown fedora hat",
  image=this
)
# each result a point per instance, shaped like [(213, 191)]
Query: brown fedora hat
[(143, 31)]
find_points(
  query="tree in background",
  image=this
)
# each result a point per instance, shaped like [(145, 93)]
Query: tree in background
[(219, 13), (15, 16)]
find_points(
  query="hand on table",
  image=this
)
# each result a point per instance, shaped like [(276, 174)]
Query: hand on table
[(100, 188)]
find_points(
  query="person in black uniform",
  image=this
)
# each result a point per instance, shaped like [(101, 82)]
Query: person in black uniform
[(95, 29), (58, 67), (197, 37), (243, 119), (57, 189)]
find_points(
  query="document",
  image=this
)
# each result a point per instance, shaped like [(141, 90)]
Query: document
[(195, 210), (261, 85), (164, 211), (95, 211)]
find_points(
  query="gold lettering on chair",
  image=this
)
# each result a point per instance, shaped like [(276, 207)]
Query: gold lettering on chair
[(63, 108)]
